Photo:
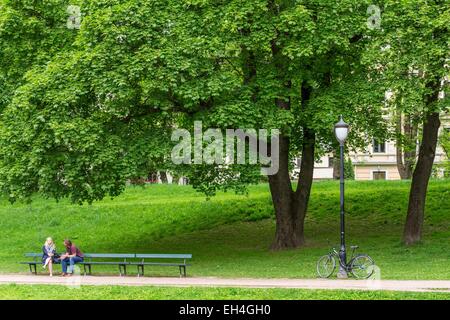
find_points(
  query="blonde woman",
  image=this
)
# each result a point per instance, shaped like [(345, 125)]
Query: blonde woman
[(49, 255)]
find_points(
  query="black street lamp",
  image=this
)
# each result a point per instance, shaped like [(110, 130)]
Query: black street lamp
[(341, 131)]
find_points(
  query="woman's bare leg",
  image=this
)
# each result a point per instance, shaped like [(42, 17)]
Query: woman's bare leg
[(46, 262), (50, 267)]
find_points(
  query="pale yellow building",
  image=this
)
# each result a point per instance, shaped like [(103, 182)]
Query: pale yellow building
[(378, 161)]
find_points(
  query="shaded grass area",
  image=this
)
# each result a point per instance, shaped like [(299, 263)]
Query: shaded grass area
[(229, 235), (43, 292)]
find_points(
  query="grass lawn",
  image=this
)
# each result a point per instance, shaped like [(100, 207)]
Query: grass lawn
[(40, 292), (230, 234)]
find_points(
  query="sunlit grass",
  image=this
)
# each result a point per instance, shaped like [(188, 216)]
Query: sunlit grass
[(230, 235), (44, 292)]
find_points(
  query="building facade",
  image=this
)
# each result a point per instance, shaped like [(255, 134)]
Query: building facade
[(378, 162)]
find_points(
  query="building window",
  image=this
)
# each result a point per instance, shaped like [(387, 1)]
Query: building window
[(379, 147), (330, 162), (379, 175)]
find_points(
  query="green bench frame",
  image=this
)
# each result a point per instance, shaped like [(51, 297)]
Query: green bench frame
[(146, 256), (35, 261), (122, 263), (122, 260)]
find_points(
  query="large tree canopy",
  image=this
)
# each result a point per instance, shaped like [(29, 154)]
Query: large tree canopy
[(102, 109)]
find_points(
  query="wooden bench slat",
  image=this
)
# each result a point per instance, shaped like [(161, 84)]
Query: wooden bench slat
[(35, 255), (162, 256), (110, 255), (157, 264), (104, 262)]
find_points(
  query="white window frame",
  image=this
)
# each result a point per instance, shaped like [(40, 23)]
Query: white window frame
[(379, 143), (379, 170)]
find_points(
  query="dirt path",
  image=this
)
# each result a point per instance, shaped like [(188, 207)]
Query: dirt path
[(394, 285)]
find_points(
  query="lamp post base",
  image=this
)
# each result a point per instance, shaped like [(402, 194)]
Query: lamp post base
[(342, 274)]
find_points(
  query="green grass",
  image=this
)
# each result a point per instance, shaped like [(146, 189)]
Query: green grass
[(230, 235), (41, 292)]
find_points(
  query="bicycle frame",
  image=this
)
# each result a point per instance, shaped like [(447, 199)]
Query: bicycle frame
[(357, 265), (345, 266)]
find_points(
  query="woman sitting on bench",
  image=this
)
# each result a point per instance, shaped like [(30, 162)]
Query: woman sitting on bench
[(49, 255)]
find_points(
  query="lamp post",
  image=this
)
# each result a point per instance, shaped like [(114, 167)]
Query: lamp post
[(341, 131)]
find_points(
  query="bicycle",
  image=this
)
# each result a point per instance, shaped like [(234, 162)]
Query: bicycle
[(360, 265)]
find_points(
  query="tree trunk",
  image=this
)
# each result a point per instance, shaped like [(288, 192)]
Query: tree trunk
[(305, 179), (163, 177), (409, 155), (405, 146), (336, 166), (399, 148), (287, 234), (290, 207), (415, 216)]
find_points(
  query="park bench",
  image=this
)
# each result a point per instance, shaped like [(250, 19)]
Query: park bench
[(169, 260), (37, 259), (122, 261), (119, 259)]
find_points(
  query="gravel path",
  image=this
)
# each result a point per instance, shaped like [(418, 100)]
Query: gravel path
[(395, 285)]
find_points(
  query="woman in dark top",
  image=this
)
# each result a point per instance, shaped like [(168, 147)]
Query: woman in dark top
[(49, 255)]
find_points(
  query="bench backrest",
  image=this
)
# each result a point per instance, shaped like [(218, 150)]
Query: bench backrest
[(33, 255), (110, 255), (163, 256), (124, 256)]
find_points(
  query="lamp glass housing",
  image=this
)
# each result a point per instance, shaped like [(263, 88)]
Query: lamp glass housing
[(341, 131)]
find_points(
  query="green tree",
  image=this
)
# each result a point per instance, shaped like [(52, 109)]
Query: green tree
[(349, 172), (296, 64), (406, 135), (31, 34), (100, 112), (409, 55)]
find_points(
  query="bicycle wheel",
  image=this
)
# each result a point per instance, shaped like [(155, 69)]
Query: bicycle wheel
[(361, 266), (326, 266)]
